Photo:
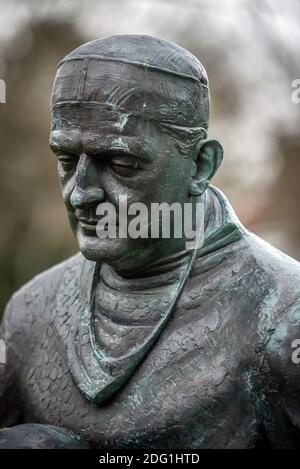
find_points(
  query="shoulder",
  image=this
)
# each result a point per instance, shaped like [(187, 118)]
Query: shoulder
[(277, 349), (26, 316), (281, 271), (279, 333), (283, 348), (257, 261), (281, 311), (280, 379), (269, 256), (28, 305)]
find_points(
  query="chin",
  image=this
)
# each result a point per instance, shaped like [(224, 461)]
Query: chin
[(103, 250), (124, 255)]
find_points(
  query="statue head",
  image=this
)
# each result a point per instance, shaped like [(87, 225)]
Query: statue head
[(130, 119)]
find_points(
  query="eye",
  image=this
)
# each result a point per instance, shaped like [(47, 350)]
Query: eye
[(124, 168), (67, 161)]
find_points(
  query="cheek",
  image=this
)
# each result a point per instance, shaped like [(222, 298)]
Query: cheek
[(174, 186), (143, 187), (67, 183)]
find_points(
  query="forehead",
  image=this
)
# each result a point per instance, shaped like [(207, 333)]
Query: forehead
[(92, 129), (136, 90)]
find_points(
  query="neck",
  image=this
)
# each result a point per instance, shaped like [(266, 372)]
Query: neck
[(167, 254), (160, 270)]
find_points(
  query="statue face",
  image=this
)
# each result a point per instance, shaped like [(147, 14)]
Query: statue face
[(110, 98), (101, 160)]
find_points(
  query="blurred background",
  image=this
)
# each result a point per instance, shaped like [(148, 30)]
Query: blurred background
[(250, 49)]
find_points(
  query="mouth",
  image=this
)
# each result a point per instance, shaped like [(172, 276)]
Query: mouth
[(88, 224)]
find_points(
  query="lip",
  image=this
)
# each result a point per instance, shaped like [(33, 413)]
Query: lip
[(88, 221), (88, 224)]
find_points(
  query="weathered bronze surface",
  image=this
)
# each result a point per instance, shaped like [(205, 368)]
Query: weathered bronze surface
[(142, 343)]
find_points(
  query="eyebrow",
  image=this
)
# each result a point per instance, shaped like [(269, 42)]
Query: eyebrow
[(58, 147), (57, 144)]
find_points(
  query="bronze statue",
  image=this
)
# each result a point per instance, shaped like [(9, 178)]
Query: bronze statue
[(143, 343)]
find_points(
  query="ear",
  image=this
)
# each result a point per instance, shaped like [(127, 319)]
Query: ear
[(208, 159)]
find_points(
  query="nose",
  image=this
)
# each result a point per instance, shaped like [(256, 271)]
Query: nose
[(86, 192)]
